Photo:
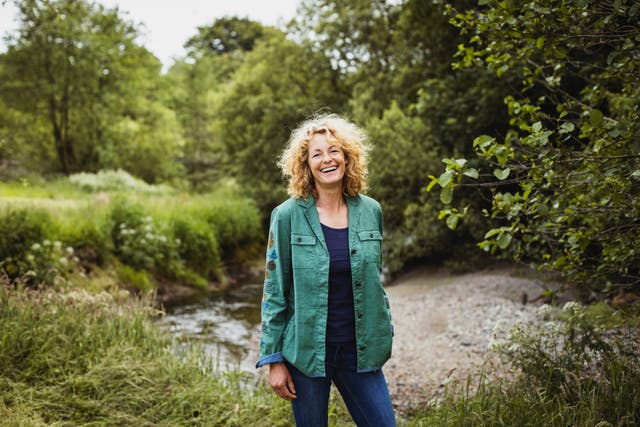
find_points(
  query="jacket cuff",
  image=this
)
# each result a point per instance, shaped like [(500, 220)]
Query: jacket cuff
[(272, 358)]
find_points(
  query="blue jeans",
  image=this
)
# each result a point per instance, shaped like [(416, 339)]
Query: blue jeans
[(365, 394)]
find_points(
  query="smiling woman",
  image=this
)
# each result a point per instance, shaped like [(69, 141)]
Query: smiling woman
[(325, 315)]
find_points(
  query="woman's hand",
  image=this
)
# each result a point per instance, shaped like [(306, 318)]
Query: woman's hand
[(281, 381)]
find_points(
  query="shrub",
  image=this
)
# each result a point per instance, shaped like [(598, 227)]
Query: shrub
[(114, 180), (197, 246), (142, 243), (138, 279), (19, 230)]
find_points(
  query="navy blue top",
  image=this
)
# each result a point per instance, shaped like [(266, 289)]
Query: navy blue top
[(341, 323)]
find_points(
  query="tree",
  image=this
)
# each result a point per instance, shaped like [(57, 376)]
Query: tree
[(76, 65), (279, 84), (565, 178)]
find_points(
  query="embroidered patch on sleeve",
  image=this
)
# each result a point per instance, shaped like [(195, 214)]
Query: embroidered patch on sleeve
[(271, 265), (265, 305), (271, 241), (268, 287), (273, 254)]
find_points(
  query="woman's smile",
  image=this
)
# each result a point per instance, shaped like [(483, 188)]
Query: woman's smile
[(326, 161)]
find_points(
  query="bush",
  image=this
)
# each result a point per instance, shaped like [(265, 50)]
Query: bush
[(87, 232), (114, 180), (197, 246), (142, 243)]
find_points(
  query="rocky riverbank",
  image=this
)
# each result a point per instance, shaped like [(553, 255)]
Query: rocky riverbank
[(444, 324)]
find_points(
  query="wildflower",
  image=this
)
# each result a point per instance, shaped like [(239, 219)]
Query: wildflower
[(35, 247), (572, 307), (46, 242), (63, 261), (30, 258), (147, 219), (162, 238), (544, 311), (513, 348), (148, 228), (122, 225), (57, 245), (69, 250), (178, 241)]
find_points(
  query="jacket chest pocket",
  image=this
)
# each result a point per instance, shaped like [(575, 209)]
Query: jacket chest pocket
[(371, 241), (303, 250)]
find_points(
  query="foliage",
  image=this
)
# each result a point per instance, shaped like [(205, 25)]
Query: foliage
[(19, 230), (565, 175), (278, 85), (74, 72), (193, 240), (114, 180)]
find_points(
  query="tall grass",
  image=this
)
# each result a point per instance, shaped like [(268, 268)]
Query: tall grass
[(76, 358)]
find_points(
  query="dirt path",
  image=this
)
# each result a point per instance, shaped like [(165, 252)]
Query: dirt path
[(444, 324)]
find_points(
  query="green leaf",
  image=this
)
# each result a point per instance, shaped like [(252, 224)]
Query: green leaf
[(483, 141), (537, 127), (636, 174), (461, 162), (567, 127), (452, 221), (446, 195), (596, 118), (433, 182), (502, 174), (540, 42), (445, 178), (471, 172), (503, 240)]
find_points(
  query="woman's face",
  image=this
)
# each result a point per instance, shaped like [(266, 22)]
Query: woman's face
[(326, 161)]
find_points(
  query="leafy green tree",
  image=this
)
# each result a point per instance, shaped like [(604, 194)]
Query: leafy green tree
[(76, 66), (279, 84), (565, 177)]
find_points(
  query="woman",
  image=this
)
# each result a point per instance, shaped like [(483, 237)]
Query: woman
[(325, 316)]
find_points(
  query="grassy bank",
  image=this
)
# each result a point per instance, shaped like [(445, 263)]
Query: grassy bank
[(143, 236), (76, 358)]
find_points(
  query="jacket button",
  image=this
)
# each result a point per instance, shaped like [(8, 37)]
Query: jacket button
[(358, 284), (359, 315), (371, 235), (361, 347), (299, 240), (353, 252)]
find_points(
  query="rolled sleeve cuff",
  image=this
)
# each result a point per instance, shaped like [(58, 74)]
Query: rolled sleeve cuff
[(272, 358)]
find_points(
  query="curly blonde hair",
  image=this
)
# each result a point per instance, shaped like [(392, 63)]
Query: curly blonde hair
[(339, 131)]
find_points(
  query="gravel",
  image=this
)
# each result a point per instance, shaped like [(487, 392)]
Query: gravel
[(443, 326)]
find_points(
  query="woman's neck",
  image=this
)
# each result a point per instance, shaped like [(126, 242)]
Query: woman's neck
[(331, 207)]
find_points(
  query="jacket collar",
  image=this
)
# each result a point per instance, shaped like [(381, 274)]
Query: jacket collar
[(311, 213)]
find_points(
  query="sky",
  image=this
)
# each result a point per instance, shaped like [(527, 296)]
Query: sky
[(168, 24)]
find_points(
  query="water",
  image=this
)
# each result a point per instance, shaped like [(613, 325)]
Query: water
[(221, 324)]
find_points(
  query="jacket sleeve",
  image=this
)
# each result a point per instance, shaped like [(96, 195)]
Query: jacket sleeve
[(277, 284)]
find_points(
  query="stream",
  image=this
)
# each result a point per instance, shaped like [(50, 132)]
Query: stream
[(221, 324)]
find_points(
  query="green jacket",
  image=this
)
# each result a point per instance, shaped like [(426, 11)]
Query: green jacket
[(294, 304)]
